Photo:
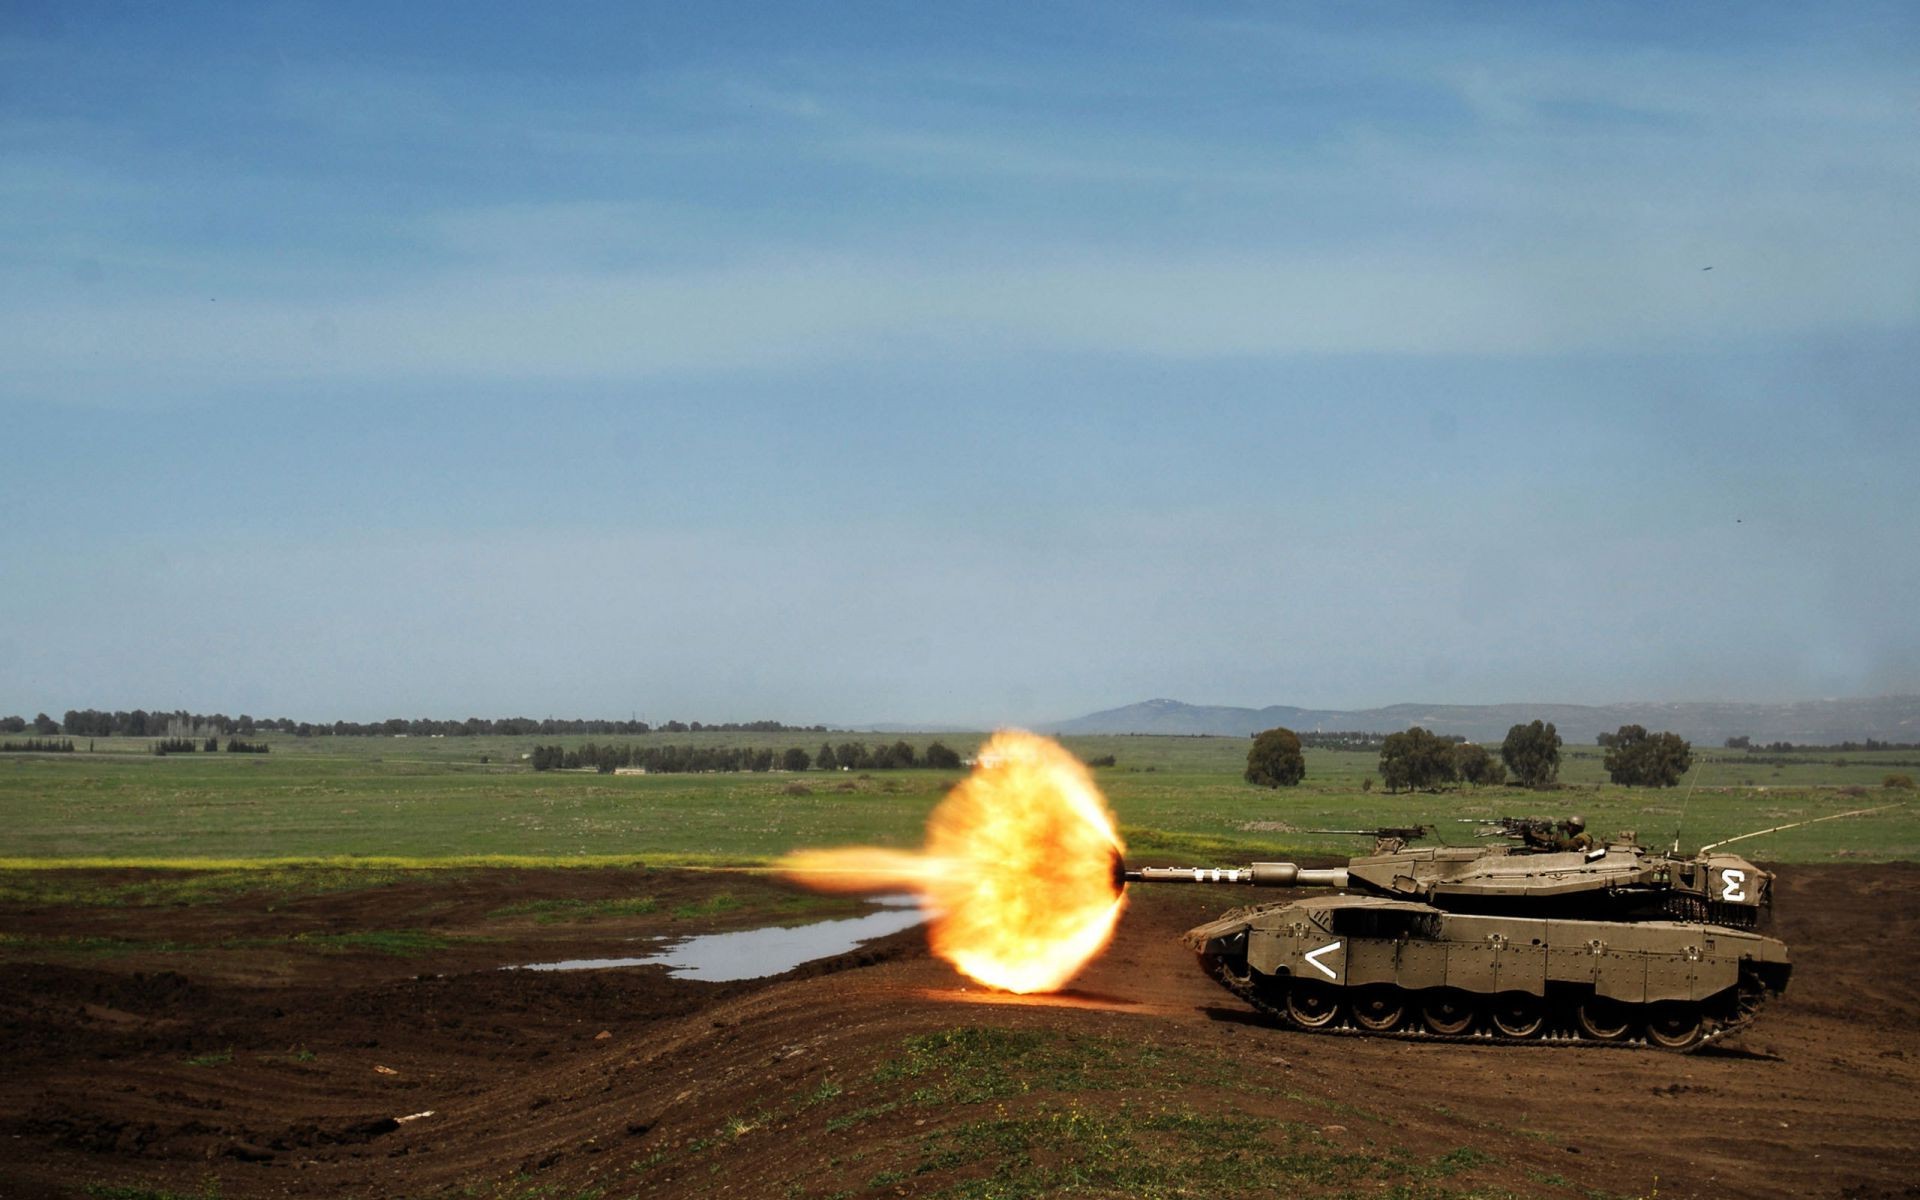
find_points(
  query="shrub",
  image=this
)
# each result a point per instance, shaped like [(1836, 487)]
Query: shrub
[(1637, 758), (1415, 760), (1532, 753), (1472, 764), (1902, 783), (1275, 760)]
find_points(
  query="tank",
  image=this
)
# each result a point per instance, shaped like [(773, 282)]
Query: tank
[(1548, 938)]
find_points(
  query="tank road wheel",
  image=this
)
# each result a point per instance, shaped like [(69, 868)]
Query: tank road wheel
[(1379, 1007), (1447, 1012), (1518, 1014), (1603, 1020), (1312, 1005), (1675, 1025)]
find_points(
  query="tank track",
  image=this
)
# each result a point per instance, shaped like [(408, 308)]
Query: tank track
[(1749, 1005)]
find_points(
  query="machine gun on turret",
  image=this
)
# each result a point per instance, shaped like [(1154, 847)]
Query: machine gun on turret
[(1387, 839)]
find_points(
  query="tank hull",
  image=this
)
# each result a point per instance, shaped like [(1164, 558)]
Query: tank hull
[(1363, 964)]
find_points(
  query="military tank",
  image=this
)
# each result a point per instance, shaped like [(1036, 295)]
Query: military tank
[(1548, 937)]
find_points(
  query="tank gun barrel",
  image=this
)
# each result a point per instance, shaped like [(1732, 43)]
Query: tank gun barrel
[(1257, 874)]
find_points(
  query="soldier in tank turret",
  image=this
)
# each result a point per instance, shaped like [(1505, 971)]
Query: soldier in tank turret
[(1574, 835), (1549, 837)]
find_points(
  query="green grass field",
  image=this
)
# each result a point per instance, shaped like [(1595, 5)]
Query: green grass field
[(399, 802)]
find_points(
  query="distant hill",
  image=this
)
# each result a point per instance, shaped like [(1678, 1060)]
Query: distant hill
[(1886, 718)]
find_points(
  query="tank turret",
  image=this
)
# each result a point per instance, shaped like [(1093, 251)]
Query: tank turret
[(1551, 938)]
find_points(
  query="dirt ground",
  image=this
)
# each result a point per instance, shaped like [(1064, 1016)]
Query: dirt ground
[(244, 1070)]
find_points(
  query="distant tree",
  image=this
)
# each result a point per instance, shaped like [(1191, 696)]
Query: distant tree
[(941, 757), (1637, 758), (1472, 764), (795, 759), (853, 756), (902, 755), (1742, 742), (1100, 760), (44, 724), (1416, 760), (1275, 759), (825, 759), (1532, 753), (13, 724)]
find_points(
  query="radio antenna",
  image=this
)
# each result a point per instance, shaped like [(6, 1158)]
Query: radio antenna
[(1698, 767), (1858, 812)]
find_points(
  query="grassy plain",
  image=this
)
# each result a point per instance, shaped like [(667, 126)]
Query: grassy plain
[(393, 803)]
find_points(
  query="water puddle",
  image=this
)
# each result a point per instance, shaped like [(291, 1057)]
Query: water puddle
[(753, 953)]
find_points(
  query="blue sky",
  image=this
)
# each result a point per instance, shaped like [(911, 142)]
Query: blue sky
[(969, 364)]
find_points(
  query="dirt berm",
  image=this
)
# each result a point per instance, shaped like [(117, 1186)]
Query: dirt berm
[(206, 1059)]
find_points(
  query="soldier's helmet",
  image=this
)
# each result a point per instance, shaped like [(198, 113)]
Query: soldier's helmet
[(1576, 824)]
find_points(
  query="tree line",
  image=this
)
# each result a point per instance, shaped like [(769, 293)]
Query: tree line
[(675, 759), (1418, 759), (37, 746), (1746, 743), (140, 722)]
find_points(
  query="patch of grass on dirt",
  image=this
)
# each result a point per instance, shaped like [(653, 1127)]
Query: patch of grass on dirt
[(1465, 1158), (397, 942), (74, 889), (778, 906), (861, 1116), (1340, 1107), (1003, 1113), (973, 1064), (553, 912), (712, 906), (1149, 1151), (29, 946), (828, 1090), (218, 1058)]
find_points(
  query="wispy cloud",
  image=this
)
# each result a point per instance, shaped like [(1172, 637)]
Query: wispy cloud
[(764, 313)]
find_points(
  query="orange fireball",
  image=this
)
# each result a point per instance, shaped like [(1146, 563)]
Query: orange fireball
[(1020, 870)]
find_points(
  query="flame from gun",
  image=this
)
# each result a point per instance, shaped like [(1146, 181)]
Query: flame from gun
[(1021, 870)]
